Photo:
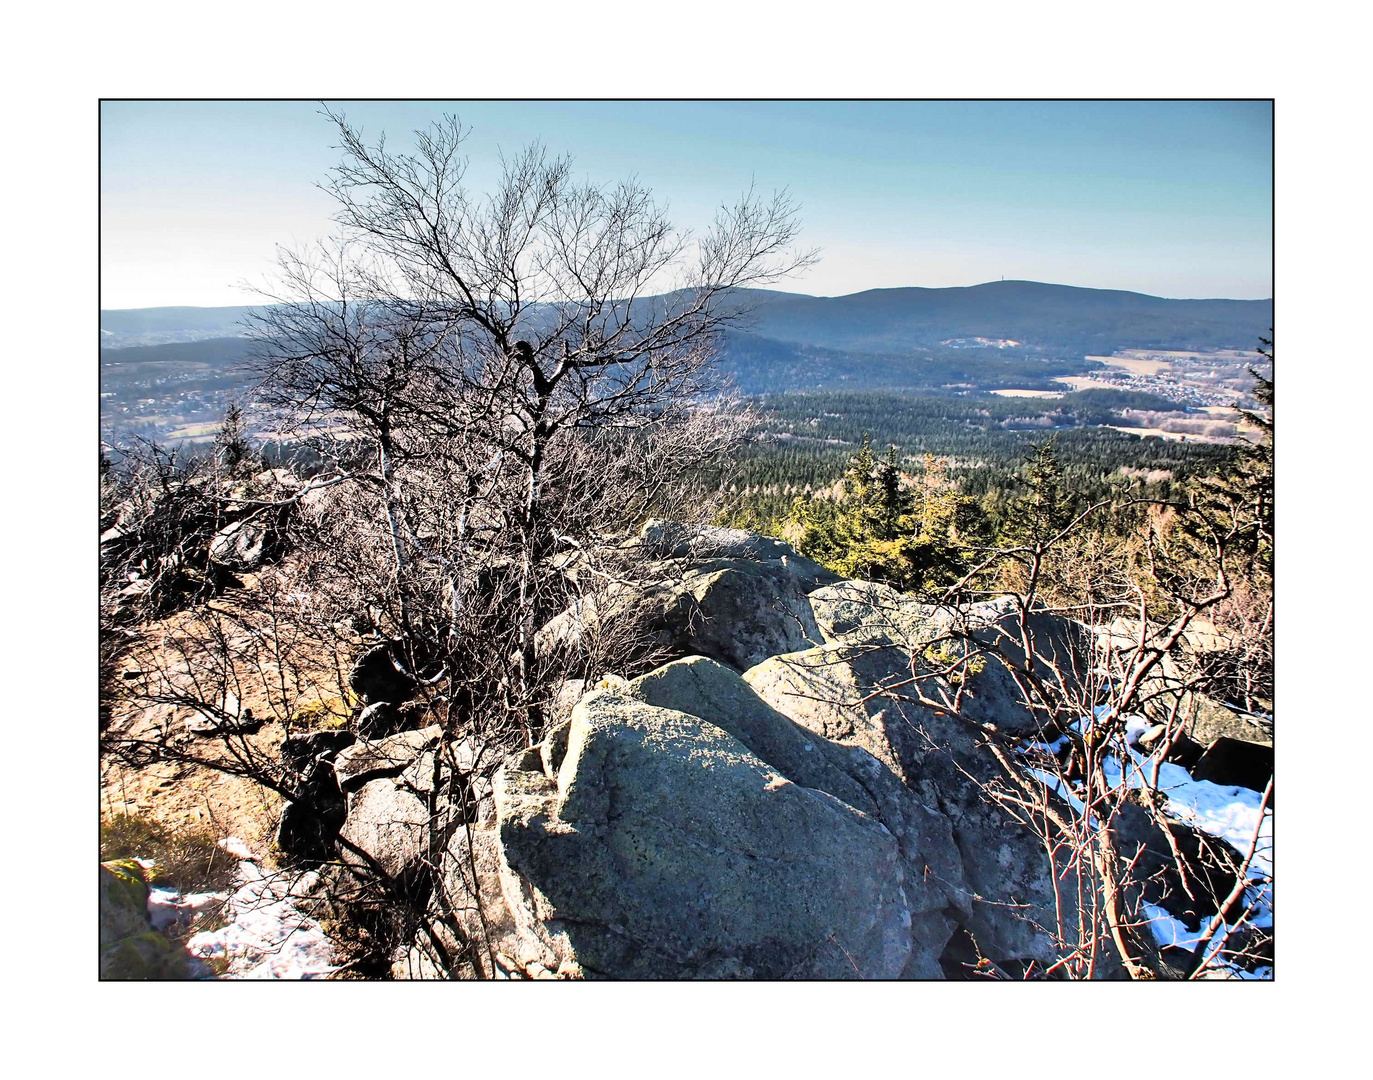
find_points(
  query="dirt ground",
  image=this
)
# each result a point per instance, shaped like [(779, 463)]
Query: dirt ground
[(178, 793)]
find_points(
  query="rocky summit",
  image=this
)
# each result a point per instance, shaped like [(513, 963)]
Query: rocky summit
[(766, 799)]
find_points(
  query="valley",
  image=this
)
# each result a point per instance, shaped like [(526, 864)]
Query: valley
[(1022, 351)]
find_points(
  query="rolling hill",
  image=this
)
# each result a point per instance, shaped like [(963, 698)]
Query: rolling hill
[(1054, 319), (1059, 319), (999, 334)]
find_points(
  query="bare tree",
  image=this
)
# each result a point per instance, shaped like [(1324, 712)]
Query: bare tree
[(498, 389), (1092, 783), (552, 333)]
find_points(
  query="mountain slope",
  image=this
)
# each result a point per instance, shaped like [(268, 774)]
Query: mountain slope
[(1054, 317), (1057, 319)]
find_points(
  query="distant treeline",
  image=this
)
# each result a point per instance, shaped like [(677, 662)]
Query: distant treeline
[(761, 365), (806, 441)]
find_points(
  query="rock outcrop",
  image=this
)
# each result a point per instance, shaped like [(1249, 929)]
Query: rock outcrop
[(866, 611), (666, 849), (129, 946), (859, 696), (776, 800), (737, 609), (389, 824), (366, 760), (936, 891), (1170, 691)]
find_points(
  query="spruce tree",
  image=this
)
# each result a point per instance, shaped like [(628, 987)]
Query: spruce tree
[(880, 530), (232, 450), (1045, 507)]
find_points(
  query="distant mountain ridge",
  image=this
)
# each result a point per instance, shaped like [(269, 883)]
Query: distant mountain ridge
[(222, 320), (1056, 318), (1053, 319)]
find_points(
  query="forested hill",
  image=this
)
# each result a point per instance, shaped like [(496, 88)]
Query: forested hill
[(1059, 318)]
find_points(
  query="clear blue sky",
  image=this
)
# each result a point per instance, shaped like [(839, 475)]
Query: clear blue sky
[(1170, 198)]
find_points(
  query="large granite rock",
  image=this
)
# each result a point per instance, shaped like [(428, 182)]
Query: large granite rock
[(935, 889), (390, 826), (1209, 721), (1168, 690), (741, 613), (701, 590), (867, 611), (857, 695), (995, 635), (736, 611), (987, 635), (667, 849), (810, 818), (368, 759), (680, 540)]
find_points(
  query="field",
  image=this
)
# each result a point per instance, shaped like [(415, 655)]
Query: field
[(1220, 355), (1171, 436), (1136, 365), (195, 432)]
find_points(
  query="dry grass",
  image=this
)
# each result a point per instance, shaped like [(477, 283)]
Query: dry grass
[(187, 859)]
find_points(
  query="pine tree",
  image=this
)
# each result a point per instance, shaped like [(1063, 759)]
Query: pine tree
[(232, 449), (1237, 502), (1224, 539), (894, 503), (1255, 466), (858, 477), (1046, 506), (880, 530)]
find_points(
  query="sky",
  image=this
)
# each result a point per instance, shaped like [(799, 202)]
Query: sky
[(1172, 198)]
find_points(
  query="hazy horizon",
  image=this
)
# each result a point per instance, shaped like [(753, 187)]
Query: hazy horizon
[(798, 292)]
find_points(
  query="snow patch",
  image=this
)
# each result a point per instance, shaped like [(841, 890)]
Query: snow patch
[(1229, 813), (1232, 814), (268, 936), (265, 935), (170, 910)]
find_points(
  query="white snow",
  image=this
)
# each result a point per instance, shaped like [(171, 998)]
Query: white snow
[(1228, 813), (168, 908), (1170, 931), (267, 936), (1135, 726)]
